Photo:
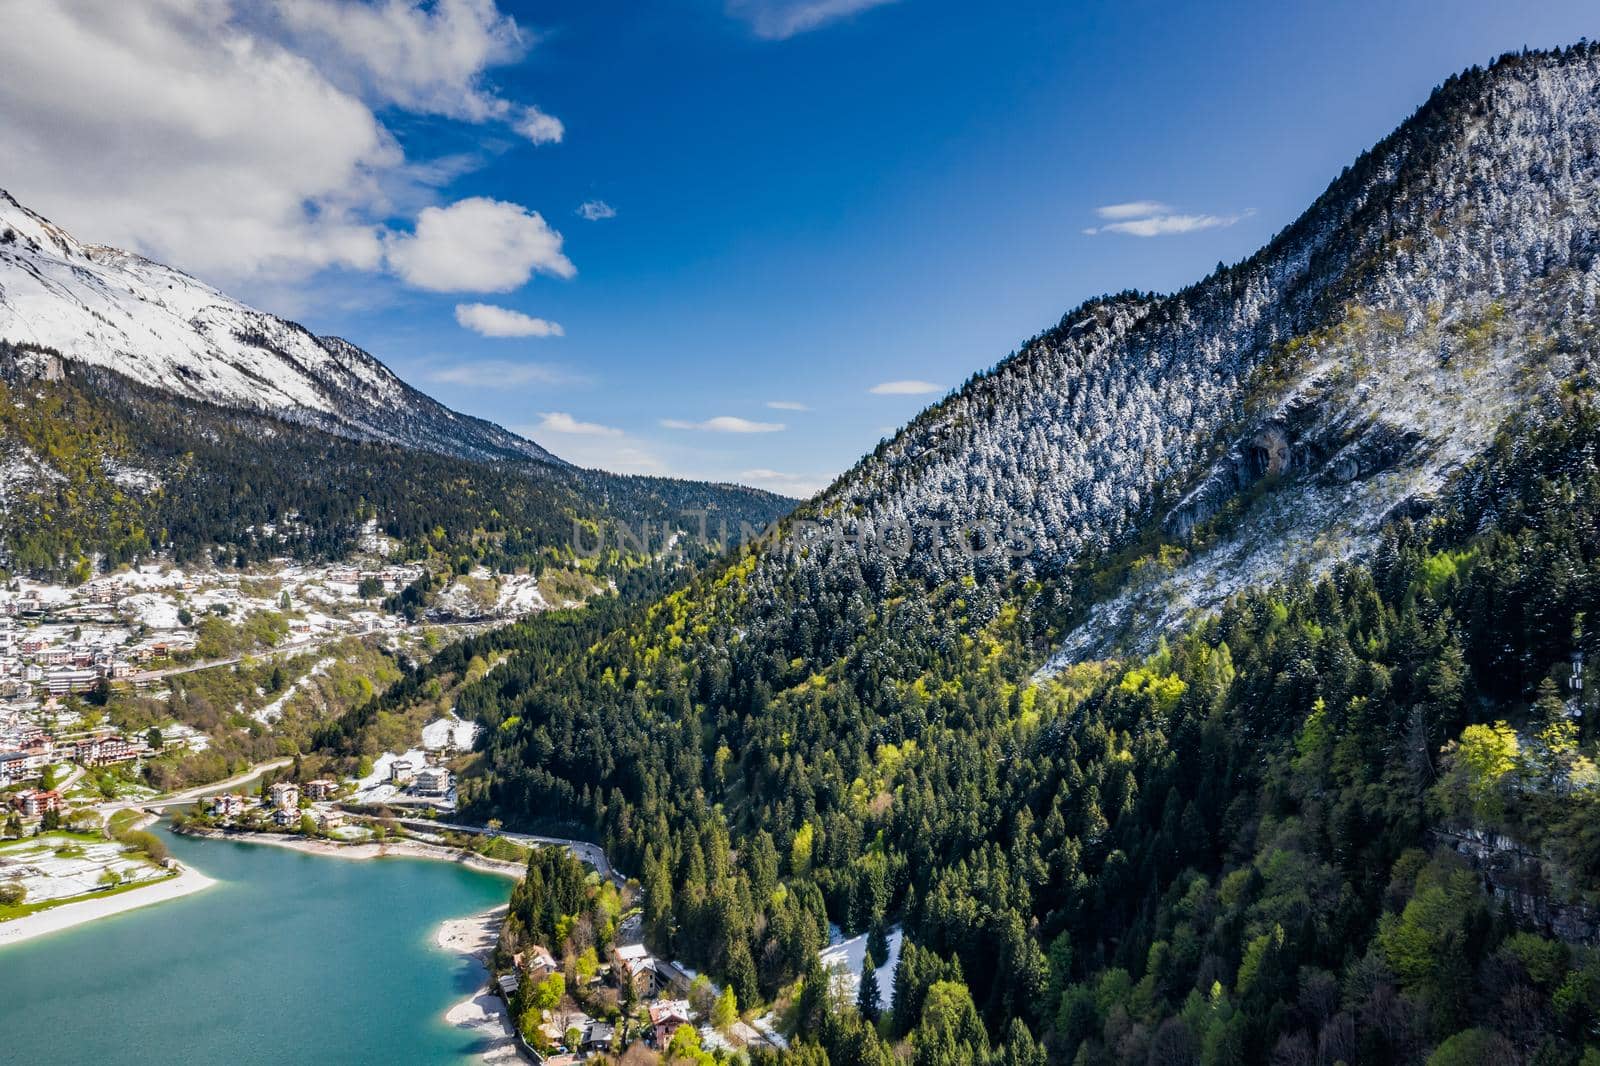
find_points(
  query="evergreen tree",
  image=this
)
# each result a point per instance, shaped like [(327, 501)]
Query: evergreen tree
[(869, 1001)]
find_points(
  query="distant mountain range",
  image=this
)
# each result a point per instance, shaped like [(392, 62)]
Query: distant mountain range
[(151, 413), (162, 328)]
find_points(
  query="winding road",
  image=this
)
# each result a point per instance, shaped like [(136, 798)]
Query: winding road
[(582, 850), (189, 795)]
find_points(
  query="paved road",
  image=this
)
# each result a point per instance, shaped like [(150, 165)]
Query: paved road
[(72, 779), (583, 850), (189, 795), (291, 648)]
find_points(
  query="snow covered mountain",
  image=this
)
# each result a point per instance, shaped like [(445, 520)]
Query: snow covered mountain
[(1153, 455), (162, 328)]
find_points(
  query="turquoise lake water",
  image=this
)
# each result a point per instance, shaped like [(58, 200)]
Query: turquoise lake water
[(290, 958)]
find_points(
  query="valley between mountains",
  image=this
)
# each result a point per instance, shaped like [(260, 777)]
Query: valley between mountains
[(1202, 683)]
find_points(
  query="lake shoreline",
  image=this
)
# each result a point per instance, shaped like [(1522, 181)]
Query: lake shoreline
[(400, 849), (70, 915), (484, 1013)]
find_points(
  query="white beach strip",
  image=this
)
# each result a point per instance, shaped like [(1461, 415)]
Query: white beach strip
[(68, 915), (474, 936), (395, 849), (483, 1014)]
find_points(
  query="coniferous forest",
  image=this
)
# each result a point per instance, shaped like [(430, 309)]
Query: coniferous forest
[(1235, 849), (1345, 814), (1202, 685)]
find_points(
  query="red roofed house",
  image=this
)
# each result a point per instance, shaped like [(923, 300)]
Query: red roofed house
[(35, 801)]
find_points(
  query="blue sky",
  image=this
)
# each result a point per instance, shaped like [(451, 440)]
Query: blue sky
[(807, 199)]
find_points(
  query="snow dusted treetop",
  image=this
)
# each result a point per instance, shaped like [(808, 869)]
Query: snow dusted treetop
[(1444, 284)]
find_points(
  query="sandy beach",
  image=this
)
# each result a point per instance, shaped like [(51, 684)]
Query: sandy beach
[(483, 1014), (475, 936), (70, 914), (407, 849)]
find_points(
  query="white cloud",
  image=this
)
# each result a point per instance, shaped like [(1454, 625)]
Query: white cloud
[(492, 321), (425, 59), (1132, 209), (787, 405), (497, 373), (779, 20), (905, 388), (595, 210), (477, 245), (561, 422), (801, 485), (725, 424), (165, 127), (1148, 218), (239, 141), (624, 459), (539, 127)]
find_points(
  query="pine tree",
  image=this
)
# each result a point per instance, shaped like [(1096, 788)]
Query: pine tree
[(869, 1001), (878, 941)]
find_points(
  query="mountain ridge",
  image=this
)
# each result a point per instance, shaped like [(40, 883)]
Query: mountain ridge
[(1305, 539), (116, 309), (1148, 409), (98, 469)]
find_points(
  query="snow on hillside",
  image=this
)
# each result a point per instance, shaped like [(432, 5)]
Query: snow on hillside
[(161, 327), (844, 958), (1446, 282)]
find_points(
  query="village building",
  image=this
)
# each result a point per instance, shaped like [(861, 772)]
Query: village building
[(321, 789), (64, 682), (104, 751), (433, 781), (666, 1015), (34, 802), (598, 1037), (13, 767), (229, 805), (285, 795), (538, 963), (639, 970)]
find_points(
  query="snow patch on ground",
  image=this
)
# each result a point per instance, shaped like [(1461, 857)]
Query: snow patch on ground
[(47, 876), (132, 478), (274, 710), (1366, 384), (442, 733), (153, 610), (844, 959)]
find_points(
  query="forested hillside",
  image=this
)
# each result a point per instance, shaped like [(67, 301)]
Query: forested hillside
[(98, 470), (1308, 550)]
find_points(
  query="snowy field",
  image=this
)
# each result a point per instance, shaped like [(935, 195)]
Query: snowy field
[(843, 958), (48, 876)]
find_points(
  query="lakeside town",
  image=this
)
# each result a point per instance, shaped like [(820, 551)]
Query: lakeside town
[(80, 781), (158, 680), (132, 631)]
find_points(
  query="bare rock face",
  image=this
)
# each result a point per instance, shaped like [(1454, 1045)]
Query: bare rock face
[(1528, 883), (1270, 450)]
